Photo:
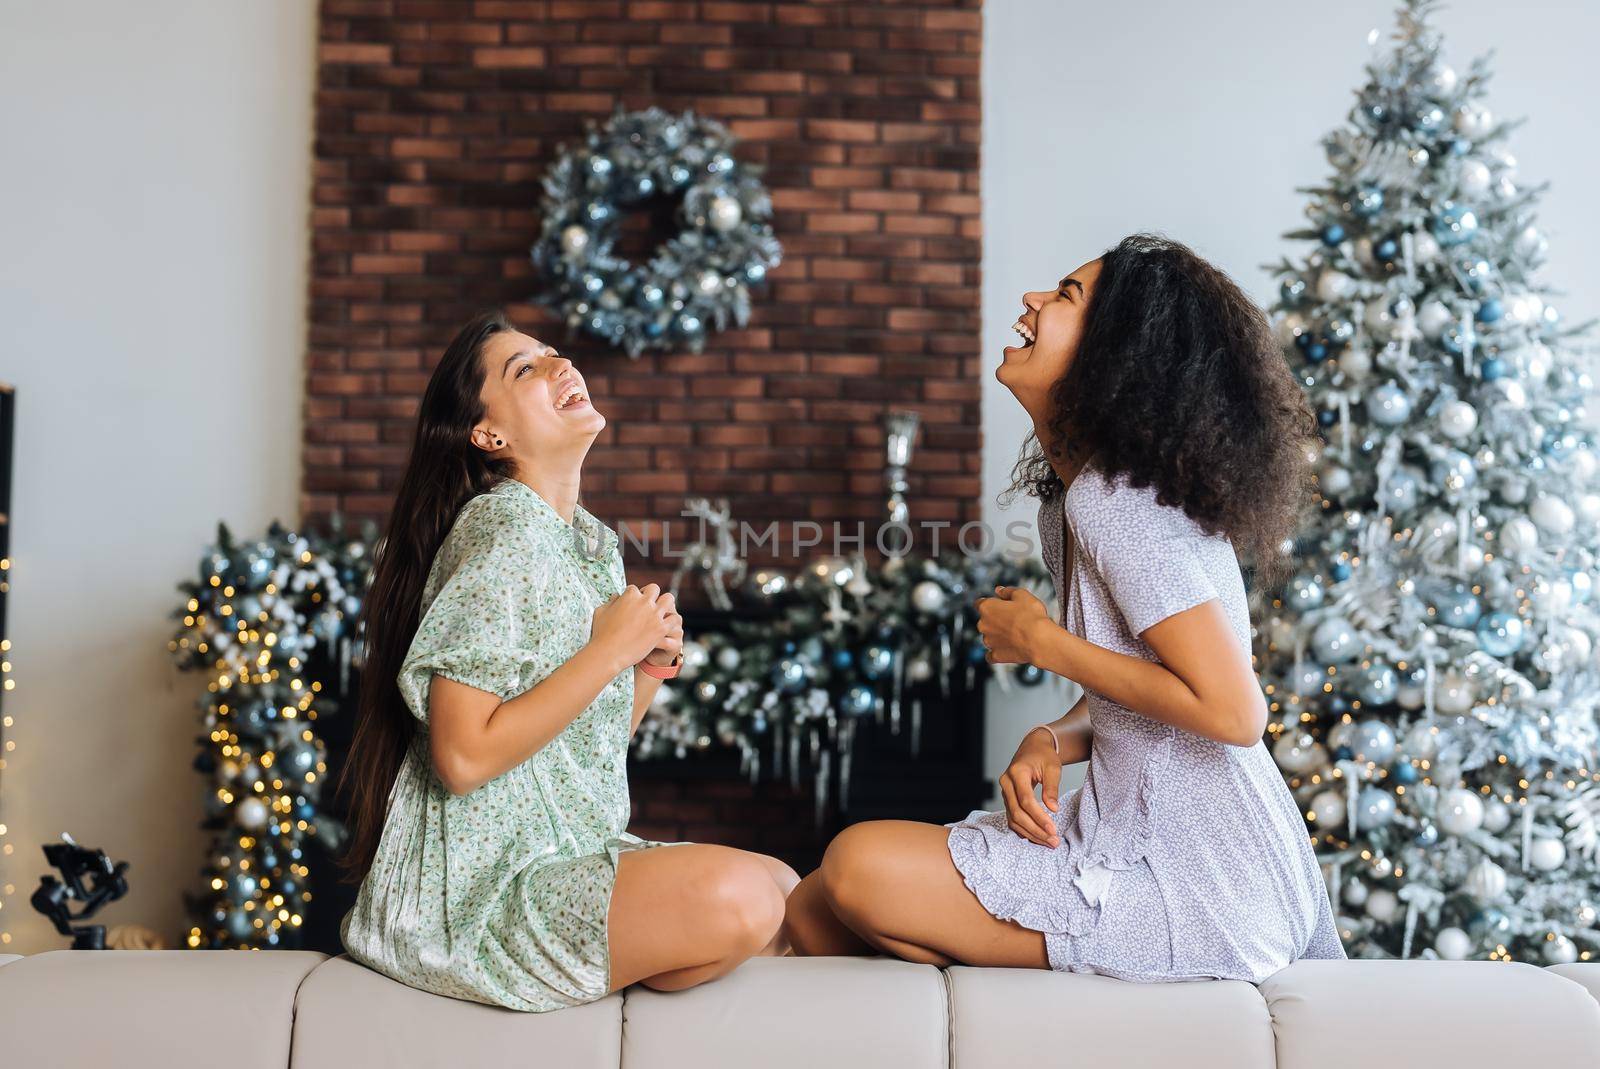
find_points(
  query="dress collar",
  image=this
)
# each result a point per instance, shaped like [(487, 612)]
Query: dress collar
[(586, 535)]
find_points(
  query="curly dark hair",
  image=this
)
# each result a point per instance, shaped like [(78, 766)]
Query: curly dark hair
[(1179, 382)]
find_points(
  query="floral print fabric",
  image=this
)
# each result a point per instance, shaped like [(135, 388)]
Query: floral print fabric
[(500, 895)]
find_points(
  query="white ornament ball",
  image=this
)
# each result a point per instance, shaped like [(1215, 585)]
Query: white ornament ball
[(1442, 79), (1485, 882), (1298, 751), (1377, 318), (1552, 515), (1452, 944), (1475, 177), (1559, 950), (1453, 695), (725, 213), (1529, 241), (1334, 286), (1547, 855), (1519, 309), (252, 813), (1433, 317), (1519, 538), (1537, 360), (1511, 392), (928, 596), (574, 239), (1583, 465), (1327, 809), (1496, 815), (1460, 811), (1422, 741), (1424, 247), (1334, 480), (1355, 892), (1356, 362), (1383, 905), (1474, 121), (1457, 419), (1290, 326)]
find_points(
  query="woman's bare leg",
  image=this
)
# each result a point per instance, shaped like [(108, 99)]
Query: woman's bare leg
[(892, 883), (684, 914), (813, 929)]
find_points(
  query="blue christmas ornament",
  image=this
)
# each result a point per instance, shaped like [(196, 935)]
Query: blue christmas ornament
[(1454, 471), (1492, 369), (843, 659), (1342, 753), (1368, 201), (976, 653), (1479, 272), (1029, 675), (1500, 634), (1458, 337), (1316, 351), (1489, 923), (1292, 291), (859, 700), (1388, 405), (1386, 249), (788, 646), (1429, 119), (1339, 571), (1404, 772), (1457, 607), (1454, 224), (1377, 686), (789, 675), (1303, 592), (1326, 417), (1332, 234), (1490, 311), (1338, 704), (1427, 835), (876, 661)]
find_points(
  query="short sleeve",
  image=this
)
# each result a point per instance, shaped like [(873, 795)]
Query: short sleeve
[(1148, 554), (481, 627)]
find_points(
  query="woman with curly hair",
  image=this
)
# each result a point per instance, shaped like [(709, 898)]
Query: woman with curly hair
[(1169, 438)]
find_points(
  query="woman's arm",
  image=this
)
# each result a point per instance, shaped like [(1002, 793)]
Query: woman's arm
[(1203, 682), (1074, 736), (476, 737)]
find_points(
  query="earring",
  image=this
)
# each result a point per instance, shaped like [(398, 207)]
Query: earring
[(498, 442)]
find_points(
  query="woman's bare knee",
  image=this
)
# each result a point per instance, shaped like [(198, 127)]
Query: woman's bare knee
[(743, 903), (846, 866)]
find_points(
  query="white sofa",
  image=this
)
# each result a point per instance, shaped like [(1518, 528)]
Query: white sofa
[(303, 1010)]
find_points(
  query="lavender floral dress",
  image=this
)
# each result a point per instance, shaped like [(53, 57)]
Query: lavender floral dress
[(1181, 858), (501, 895)]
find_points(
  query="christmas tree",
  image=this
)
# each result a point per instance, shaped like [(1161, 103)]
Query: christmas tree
[(258, 618), (1430, 666)]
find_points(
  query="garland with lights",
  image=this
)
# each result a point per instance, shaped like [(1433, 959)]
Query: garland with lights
[(837, 643), (259, 614), (698, 279)]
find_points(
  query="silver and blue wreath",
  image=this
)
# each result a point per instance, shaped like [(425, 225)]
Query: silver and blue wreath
[(696, 281)]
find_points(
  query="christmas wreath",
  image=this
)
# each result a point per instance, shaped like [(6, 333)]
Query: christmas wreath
[(697, 280)]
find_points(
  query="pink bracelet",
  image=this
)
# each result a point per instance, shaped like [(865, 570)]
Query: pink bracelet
[(663, 671), (1048, 730)]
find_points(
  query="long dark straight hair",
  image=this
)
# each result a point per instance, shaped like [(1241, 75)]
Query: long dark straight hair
[(444, 471)]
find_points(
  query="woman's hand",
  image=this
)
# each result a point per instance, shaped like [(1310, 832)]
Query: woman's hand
[(631, 624), (672, 644), (1008, 622), (1035, 763)]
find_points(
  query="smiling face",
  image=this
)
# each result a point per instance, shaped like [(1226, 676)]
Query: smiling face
[(535, 402), (1050, 325)]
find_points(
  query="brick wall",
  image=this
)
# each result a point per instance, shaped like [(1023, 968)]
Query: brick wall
[(434, 123)]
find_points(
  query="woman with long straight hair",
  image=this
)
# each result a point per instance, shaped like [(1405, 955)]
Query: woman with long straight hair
[(508, 663)]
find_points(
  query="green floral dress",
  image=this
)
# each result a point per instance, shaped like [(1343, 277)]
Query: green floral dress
[(500, 895)]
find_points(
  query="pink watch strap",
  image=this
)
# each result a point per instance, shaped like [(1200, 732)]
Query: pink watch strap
[(662, 671)]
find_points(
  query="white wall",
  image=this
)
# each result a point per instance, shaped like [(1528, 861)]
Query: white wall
[(153, 245), (1199, 120)]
